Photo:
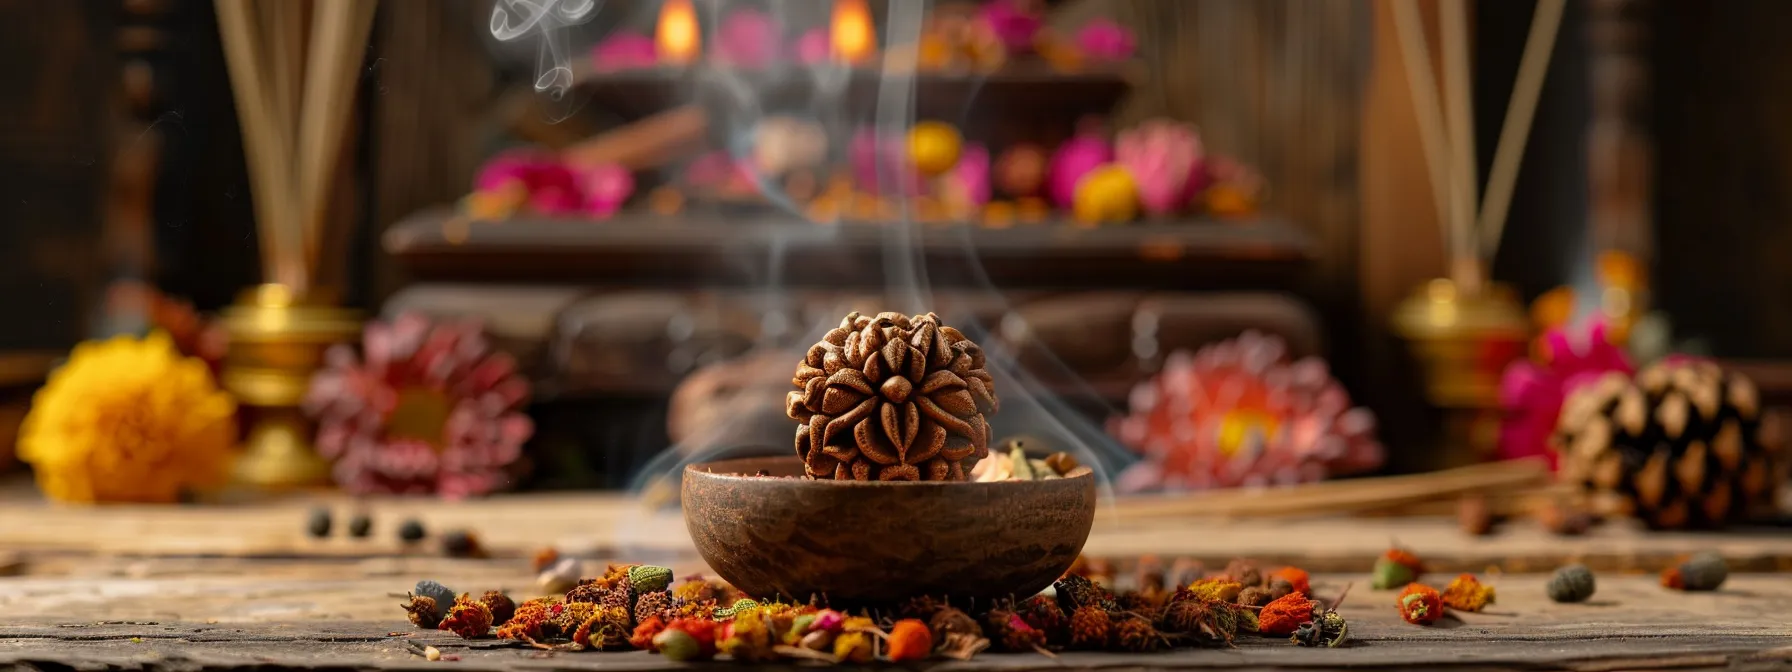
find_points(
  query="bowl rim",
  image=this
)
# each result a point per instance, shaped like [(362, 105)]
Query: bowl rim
[(1079, 474)]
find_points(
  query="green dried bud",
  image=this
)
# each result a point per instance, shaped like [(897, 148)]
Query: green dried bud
[(740, 605), (677, 645), (1390, 575), (1573, 583), (649, 579)]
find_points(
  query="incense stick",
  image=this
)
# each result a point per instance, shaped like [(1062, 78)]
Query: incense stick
[(338, 37), (1415, 55), (282, 244), (1460, 115), (1502, 177)]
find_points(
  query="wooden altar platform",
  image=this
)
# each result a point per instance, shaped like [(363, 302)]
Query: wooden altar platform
[(232, 586)]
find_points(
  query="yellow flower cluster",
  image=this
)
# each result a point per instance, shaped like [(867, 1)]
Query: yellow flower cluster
[(128, 420)]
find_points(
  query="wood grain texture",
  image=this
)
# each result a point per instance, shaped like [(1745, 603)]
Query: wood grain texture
[(343, 620)]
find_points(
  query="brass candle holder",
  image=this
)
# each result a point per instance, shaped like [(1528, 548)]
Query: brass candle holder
[(1464, 342), (277, 341)]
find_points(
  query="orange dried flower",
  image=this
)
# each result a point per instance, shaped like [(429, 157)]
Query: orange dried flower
[(606, 630), (1295, 576), (910, 640), (529, 617), (1672, 578), (1465, 593), (1420, 604), (545, 557), (1406, 558), (1089, 628), (645, 632), (469, 618), (1284, 615)]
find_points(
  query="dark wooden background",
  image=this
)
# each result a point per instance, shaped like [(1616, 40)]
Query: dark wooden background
[(1304, 89)]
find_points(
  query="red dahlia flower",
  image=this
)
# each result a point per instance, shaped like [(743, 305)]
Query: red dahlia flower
[(429, 408)]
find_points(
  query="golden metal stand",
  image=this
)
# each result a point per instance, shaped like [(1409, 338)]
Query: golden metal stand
[(277, 341), (1464, 343)]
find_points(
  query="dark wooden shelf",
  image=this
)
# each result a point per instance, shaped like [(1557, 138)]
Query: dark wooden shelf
[(638, 249)]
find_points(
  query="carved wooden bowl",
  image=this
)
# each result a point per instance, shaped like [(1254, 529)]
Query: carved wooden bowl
[(865, 544)]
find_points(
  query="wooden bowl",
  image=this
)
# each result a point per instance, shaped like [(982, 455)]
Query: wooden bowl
[(875, 543)]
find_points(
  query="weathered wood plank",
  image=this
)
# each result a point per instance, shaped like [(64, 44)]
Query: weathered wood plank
[(325, 622)]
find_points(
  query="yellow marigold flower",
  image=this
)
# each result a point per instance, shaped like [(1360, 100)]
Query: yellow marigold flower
[(128, 420)]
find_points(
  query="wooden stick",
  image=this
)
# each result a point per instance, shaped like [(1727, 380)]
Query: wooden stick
[(652, 142), (1515, 133), (284, 31), (338, 40), (1415, 55), (1464, 189), (1338, 497), (282, 244)]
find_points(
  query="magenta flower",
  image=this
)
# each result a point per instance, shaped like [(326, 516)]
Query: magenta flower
[(748, 38), (1104, 40), (1532, 392), (606, 187), (813, 47), (625, 51), (1015, 25), (427, 408)]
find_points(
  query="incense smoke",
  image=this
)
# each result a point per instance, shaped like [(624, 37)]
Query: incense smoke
[(546, 17)]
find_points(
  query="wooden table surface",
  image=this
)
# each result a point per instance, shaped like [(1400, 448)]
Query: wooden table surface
[(228, 587)]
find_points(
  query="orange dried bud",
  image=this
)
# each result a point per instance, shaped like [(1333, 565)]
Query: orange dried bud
[(1284, 615), (1295, 576), (910, 640), (469, 618), (1420, 604)]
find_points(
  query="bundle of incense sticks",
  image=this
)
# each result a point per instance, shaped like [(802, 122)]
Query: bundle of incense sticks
[(294, 65)]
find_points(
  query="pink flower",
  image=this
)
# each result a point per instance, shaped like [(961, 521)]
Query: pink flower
[(625, 51), (551, 187), (606, 188), (427, 408), (748, 38), (970, 177), (1240, 413), (1164, 157), (1532, 392), (881, 166), (1015, 25), (813, 47), (1105, 40)]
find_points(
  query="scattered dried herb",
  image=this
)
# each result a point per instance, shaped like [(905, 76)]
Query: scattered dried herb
[(1136, 635), (1296, 578), (1090, 628), (1279, 588), (411, 531), (1284, 615), (1044, 614), (1221, 589), (422, 611), (318, 523), (1395, 568), (1573, 583), (1256, 597), (1420, 604), (468, 618), (909, 640), (1465, 593), (360, 526), (1243, 572), (607, 629), (1701, 572), (501, 606)]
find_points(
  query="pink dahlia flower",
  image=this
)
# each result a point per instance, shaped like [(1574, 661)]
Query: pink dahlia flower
[(625, 51), (1105, 40), (427, 408), (1240, 413), (1532, 392)]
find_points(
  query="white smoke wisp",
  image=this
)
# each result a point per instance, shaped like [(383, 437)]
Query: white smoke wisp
[(516, 19)]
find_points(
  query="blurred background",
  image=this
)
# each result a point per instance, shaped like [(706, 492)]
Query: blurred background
[(568, 244)]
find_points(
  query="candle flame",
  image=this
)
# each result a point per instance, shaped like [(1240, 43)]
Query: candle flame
[(854, 39), (677, 37)]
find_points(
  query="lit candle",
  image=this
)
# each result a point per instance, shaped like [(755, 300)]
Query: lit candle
[(853, 37), (677, 37)]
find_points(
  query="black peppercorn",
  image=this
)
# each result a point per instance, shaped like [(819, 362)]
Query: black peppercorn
[(360, 526), (411, 531), (319, 523), (460, 544)]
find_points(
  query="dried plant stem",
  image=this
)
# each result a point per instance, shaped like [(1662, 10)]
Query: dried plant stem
[(1515, 132), (338, 35), (1465, 266), (1415, 56), (282, 242)]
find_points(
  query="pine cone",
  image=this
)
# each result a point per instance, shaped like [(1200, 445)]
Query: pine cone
[(892, 398)]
